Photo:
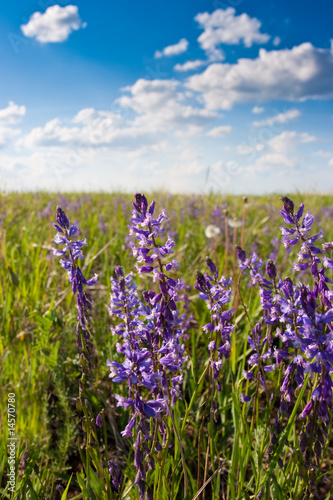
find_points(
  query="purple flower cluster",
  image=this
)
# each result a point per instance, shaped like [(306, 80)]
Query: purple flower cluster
[(216, 293), (309, 308), (70, 253), (253, 264), (160, 308), (260, 355), (151, 340), (117, 477), (146, 229), (291, 337), (300, 332)]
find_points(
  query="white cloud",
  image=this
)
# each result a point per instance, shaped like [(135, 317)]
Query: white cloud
[(154, 123), (323, 154), (11, 115), (190, 65), (247, 149), (6, 135), (161, 148), (224, 27), (189, 131), (270, 161), (288, 141), (100, 131), (286, 117), (303, 72), (220, 131), (159, 106), (30, 172), (173, 50), (257, 109), (150, 95), (282, 152), (52, 133), (189, 162), (55, 25), (276, 41)]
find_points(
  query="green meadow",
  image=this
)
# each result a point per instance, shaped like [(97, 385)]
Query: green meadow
[(224, 448)]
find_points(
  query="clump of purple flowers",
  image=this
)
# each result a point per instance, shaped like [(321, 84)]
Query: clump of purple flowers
[(151, 340), (289, 339), (70, 253), (299, 334), (117, 477), (253, 264), (216, 293), (309, 331)]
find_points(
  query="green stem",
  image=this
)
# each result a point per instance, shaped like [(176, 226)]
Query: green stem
[(193, 397), (284, 436), (181, 452)]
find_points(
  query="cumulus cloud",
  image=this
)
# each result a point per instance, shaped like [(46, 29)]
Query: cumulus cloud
[(257, 109), (186, 164), (286, 117), (270, 161), (159, 106), (173, 50), (288, 141), (224, 27), (6, 135), (93, 129), (51, 170), (150, 95), (52, 133), (10, 115), (55, 25), (190, 65), (323, 154), (247, 149), (303, 72), (189, 131), (282, 152), (34, 165), (220, 131)]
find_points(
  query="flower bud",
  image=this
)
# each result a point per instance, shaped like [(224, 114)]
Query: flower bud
[(241, 254), (99, 421), (61, 218), (119, 271), (271, 269), (288, 205), (211, 266), (201, 280)]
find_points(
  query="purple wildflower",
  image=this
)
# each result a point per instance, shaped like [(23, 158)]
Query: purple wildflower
[(117, 477), (306, 315), (298, 333), (271, 270), (70, 253), (216, 293), (151, 331), (244, 398), (253, 264), (99, 420)]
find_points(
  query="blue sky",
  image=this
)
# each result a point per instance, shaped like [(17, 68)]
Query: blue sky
[(188, 96)]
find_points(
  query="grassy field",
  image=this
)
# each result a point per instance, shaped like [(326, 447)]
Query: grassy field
[(224, 444)]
